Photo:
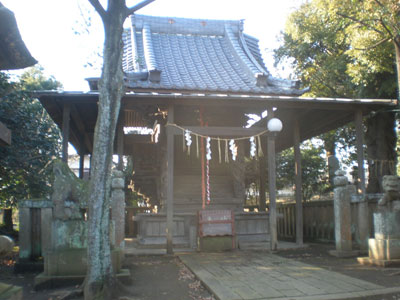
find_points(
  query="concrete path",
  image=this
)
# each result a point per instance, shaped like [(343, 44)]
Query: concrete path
[(260, 275)]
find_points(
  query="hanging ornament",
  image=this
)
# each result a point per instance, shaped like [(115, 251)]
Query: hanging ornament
[(208, 149), (226, 152), (188, 139), (219, 151), (253, 147), (208, 181), (233, 148), (260, 151)]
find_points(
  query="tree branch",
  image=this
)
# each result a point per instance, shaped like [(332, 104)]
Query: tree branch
[(386, 28), (360, 22), (99, 8), (138, 6), (374, 46), (379, 3)]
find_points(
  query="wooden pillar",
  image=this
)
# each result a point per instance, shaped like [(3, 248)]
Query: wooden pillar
[(363, 224), (170, 181), (360, 151), (90, 164), (120, 141), (272, 192), (270, 115), (65, 131), (81, 157), (262, 167), (81, 164), (298, 183)]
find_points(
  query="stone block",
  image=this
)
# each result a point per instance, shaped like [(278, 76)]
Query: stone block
[(215, 243), (6, 245), (70, 234), (118, 183), (378, 262), (73, 262), (25, 244), (387, 224), (384, 249)]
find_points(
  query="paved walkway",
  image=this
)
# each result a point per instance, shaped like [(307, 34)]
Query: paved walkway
[(256, 275)]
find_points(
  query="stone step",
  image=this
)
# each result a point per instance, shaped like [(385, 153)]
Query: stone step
[(10, 292)]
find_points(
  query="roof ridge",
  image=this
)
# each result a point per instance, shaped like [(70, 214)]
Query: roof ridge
[(134, 50), (259, 76), (184, 25), (250, 55), (148, 48)]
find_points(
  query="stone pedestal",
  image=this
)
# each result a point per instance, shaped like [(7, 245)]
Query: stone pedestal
[(342, 210), (384, 249), (118, 208), (66, 261)]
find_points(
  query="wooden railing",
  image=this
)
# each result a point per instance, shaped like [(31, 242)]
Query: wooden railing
[(318, 220)]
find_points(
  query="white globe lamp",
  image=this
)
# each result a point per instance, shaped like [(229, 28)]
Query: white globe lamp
[(274, 125)]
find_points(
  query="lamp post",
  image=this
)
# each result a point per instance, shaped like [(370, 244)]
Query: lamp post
[(274, 126)]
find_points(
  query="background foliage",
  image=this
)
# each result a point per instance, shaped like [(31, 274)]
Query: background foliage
[(35, 138)]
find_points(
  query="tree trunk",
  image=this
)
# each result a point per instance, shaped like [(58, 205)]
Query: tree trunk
[(381, 144), (100, 278), (397, 50), (7, 219)]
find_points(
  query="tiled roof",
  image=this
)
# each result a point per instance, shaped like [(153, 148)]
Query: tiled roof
[(198, 55)]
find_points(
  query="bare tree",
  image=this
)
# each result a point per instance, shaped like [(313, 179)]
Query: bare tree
[(100, 279)]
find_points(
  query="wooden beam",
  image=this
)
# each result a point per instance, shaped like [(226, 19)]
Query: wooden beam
[(263, 169), (170, 181), (65, 131), (220, 131), (272, 193), (81, 164), (298, 183), (81, 158), (363, 224)]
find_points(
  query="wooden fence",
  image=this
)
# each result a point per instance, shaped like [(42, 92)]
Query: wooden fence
[(130, 223), (318, 220)]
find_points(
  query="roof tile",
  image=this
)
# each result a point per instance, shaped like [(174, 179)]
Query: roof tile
[(196, 55)]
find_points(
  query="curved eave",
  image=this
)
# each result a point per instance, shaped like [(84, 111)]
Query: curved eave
[(13, 52)]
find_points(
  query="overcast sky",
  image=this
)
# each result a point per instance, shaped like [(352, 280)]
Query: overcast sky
[(48, 26)]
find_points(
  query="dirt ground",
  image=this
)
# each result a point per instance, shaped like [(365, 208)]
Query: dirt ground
[(166, 278), (152, 278)]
